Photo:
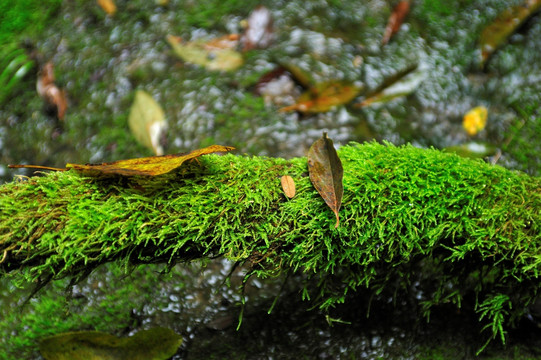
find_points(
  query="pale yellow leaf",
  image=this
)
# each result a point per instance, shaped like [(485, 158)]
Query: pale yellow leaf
[(207, 54), (147, 121)]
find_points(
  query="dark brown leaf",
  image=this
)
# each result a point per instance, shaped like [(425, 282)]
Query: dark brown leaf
[(326, 172), (395, 20)]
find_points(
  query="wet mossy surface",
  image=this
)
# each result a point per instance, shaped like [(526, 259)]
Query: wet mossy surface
[(420, 228), (102, 60)]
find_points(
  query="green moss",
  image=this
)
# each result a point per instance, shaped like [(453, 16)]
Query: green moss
[(110, 308), (523, 140), (408, 215), (211, 13), (25, 16)]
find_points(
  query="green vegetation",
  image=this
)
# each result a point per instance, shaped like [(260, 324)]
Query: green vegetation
[(523, 140), (23, 326), (210, 13), (467, 231), (14, 66), (26, 17)]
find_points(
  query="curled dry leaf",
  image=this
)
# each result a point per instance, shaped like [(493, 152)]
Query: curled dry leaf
[(288, 185), (326, 173), (319, 96), (324, 97), (147, 166), (395, 20), (48, 90), (259, 32)]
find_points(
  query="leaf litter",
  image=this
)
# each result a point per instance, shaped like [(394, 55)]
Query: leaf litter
[(146, 166), (326, 173)]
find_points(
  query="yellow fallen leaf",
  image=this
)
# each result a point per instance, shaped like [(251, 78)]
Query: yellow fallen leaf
[(214, 55), (147, 166), (475, 120), (147, 121), (108, 6)]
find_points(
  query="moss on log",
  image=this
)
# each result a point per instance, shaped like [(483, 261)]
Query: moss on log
[(460, 229)]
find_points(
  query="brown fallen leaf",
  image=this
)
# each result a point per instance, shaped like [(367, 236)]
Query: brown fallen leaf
[(48, 90), (324, 97), (326, 172), (147, 166), (108, 6), (395, 20), (288, 185)]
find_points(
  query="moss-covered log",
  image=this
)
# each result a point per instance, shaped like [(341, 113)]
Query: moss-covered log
[(462, 229)]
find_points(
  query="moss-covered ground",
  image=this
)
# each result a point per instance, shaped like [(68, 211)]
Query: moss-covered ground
[(419, 223), (101, 60)]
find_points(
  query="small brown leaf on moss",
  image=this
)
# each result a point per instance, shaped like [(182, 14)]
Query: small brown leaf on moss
[(326, 172), (288, 185)]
